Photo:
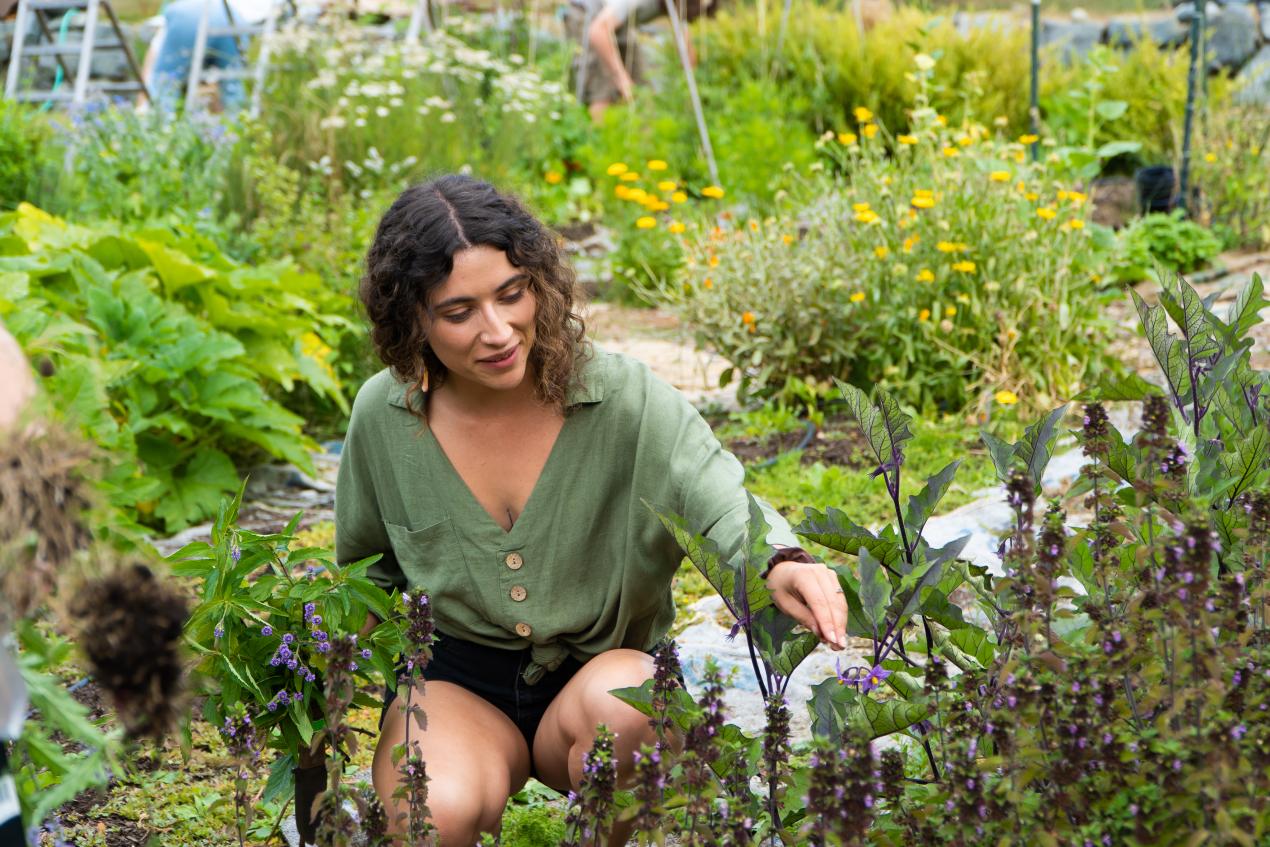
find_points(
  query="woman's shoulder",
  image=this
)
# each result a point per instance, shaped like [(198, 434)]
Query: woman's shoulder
[(377, 394), (627, 383)]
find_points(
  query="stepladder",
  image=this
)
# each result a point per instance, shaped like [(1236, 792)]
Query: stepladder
[(223, 47), (48, 21)]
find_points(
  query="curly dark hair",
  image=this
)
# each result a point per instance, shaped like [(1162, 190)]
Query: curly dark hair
[(413, 253)]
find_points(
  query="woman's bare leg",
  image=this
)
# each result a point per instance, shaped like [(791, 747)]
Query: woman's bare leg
[(567, 731), (475, 758)]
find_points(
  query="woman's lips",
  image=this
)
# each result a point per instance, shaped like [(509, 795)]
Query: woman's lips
[(506, 360)]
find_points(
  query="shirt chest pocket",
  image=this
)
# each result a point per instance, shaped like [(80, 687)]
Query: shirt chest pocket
[(430, 557)]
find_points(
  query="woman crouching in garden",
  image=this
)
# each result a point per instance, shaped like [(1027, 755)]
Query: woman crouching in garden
[(503, 464)]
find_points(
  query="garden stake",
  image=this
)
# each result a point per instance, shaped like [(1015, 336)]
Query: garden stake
[(1197, 29), (1034, 110), (780, 34), (676, 27)]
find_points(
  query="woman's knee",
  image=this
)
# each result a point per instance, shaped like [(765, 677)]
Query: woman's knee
[(462, 812)]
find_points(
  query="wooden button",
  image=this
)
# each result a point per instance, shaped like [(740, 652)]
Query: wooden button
[(519, 593), (524, 630), (514, 561)]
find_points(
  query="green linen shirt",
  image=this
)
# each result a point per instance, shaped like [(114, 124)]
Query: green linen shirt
[(586, 567)]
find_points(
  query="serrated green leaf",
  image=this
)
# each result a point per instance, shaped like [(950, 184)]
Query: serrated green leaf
[(782, 648), (1037, 445), (1164, 346), (1001, 453), (875, 591), (835, 530), (976, 643), (1248, 464)]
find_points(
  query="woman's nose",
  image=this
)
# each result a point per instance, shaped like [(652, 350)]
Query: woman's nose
[(498, 330)]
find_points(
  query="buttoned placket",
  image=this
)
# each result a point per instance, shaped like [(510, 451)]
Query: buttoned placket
[(516, 590)]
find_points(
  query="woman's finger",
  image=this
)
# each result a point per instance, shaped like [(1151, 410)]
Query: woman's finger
[(792, 604), (812, 590), (837, 605)]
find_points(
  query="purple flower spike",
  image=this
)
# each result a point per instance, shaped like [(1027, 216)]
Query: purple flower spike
[(366, 654), (266, 630), (288, 638), (219, 631), (317, 620)]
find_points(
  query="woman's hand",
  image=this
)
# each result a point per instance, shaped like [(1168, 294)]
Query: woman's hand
[(808, 592)]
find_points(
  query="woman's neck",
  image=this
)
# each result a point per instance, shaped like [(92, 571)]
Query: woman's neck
[(468, 399)]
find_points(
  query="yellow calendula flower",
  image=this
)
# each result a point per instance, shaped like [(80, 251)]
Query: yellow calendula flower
[(860, 207), (636, 195), (676, 227), (881, 251), (1077, 198), (679, 197), (713, 261), (923, 202), (646, 222), (869, 130), (950, 311), (941, 120), (858, 297), (1210, 157), (1061, 195), (617, 169), (847, 138), (1045, 213), (621, 191), (952, 247), (965, 141), (965, 266), (709, 283), (712, 191), (666, 185), (923, 315), (906, 139), (656, 165), (951, 151), (1020, 156), (999, 176), (1006, 398), (925, 275), (748, 318), (1029, 138), (963, 298), (923, 192), (868, 216), (753, 226), (1031, 196), (787, 239), (1011, 333), (629, 176), (862, 115), (553, 177), (909, 242), (658, 206), (1076, 223)]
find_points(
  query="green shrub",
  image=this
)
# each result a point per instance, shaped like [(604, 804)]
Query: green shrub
[(168, 354), (1169, 241), (26, 149), (947, 272), (1232, 171)]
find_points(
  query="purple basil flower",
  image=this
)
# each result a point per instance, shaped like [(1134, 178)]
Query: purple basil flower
[(366, 654), (288, 638), (317, 620), (219, 631), (266, 630)]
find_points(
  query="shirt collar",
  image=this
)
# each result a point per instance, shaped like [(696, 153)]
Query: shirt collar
[(587, 388)]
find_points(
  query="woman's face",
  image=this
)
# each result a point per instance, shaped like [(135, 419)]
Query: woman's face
[(480, 321)]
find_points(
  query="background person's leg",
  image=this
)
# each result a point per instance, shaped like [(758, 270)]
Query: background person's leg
[(172, 66), (475, 757)]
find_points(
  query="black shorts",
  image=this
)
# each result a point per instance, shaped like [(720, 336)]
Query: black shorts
[(494, 675)]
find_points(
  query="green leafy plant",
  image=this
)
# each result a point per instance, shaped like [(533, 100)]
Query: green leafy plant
[(27, 150), (1170, 241), (1232, 171)]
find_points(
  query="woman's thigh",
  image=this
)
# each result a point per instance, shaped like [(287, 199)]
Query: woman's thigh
[(475, 756), (568, 726)]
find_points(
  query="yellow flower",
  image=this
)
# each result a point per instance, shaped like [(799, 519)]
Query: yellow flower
[(1046, 213), (965, 141), (1011, 333), (713, 191), (636, 195), (923, 202), (748, 318), (676, 227), (658, 205), (666, 185), (863, 115), (629, 176), (923, 192), (950, 311), (941, 120), (1061, 195), (846, 138), (1031, 196), (714, 261), (951, 151), (617, 169), (925, 275), (999, 176), (858, 297), (869, 130), (753, 226), (788, 239), (923, 315), (881, 251), (553, 177), (923, 62), (646, 222), (951, 247), (1029, 138), (1006, 397), (909, 242), (656, 165), (859, 207), (621, 191), (1076, 197), (1020, 156), (1076, 223), (679, 197), (1210, 157), (964, 266), (906, 139), (868, 216), (963, 298)]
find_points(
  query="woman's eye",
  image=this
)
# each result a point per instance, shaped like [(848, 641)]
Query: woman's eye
[(458, 317), (514, 296)]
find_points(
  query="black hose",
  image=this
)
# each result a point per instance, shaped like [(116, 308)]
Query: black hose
[(802, 445)]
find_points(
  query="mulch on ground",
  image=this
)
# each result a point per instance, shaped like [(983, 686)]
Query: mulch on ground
[(838, 443)]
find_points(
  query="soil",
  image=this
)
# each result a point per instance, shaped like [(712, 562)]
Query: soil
[(839, 443), (1115, 201)]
